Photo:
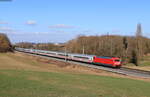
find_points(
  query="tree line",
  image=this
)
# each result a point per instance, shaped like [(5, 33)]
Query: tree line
[(130, 49), (41, 46)]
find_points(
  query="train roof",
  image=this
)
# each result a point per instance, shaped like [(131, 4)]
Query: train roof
[(106, 57), (83, 55)]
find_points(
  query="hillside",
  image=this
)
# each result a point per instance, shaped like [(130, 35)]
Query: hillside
[(27, 76)]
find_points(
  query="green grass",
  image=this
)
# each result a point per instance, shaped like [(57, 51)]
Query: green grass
[(30, 83), (145, 61), (15, 83)]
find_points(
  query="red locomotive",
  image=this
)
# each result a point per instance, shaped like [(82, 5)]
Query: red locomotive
[(108, 61)]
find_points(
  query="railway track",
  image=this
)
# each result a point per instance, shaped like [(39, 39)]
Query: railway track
[(142, 72), (123, 70)]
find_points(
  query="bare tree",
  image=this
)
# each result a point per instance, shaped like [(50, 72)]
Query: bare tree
[(139, 30), (139, 44), (5, 44)]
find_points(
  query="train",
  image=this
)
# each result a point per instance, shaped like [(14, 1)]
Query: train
[(92, 59)]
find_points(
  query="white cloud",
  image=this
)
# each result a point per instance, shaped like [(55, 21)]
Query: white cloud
[(3, 22), (31, 22), (8, 29), (61, 26)]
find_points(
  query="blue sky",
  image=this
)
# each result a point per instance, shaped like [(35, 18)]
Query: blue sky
[(62, 20)]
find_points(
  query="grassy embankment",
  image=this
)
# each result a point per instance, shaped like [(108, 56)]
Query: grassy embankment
[(22, 77), (144, 64)]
